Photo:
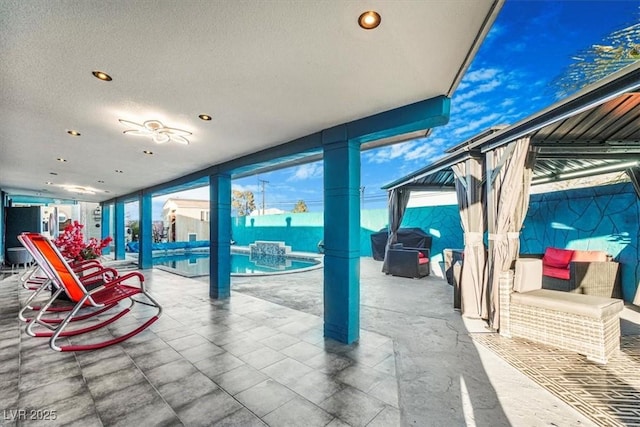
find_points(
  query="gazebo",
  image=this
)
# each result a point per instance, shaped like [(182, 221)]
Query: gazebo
[(596, 130)]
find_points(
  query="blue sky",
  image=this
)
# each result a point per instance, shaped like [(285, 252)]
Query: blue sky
[(530, 44)]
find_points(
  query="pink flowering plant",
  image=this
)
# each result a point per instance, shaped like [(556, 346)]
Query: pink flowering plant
[(72, 245)]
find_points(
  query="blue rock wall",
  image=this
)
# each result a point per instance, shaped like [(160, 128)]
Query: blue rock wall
[(599, 218), (441, 222), (301, 231)]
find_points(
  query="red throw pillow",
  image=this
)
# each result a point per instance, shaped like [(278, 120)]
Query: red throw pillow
[(560, 258), (420, 255)]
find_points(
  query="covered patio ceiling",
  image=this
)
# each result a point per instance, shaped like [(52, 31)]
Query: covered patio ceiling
[(596, 130), (268, 73)]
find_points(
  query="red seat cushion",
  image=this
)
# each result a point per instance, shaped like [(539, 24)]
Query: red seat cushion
[(557, 272), (423, 260), (560, 258)]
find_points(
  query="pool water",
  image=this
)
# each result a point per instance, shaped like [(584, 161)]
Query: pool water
[(197, 264)]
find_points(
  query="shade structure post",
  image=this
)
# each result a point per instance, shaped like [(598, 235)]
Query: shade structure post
[(105, 225), (397, 205), (341, 236), (145, 254), (509, 169), (220, 236), (473, 286), (119, 230)]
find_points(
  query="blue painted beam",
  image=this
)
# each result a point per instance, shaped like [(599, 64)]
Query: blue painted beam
[(425, 114), (341, 236), (34, 200), (105, 225), (409, 118), (118, 231), (220, 236), (145, 254)]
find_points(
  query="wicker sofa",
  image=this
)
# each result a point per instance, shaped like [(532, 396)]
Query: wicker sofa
[(583, 272), (585, 324)]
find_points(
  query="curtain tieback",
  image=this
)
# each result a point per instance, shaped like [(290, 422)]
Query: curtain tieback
[(497, 237), (500, 237)]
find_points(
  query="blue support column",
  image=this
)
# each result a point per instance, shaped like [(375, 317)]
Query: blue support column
[(2, 204), (341, 236), (220, 236), (145, 239), (105, 225), (118, 231)]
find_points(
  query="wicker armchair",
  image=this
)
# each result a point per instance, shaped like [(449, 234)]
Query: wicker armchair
[(408, 262), (598, 278)]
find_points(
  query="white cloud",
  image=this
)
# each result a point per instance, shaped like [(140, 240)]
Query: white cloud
[(483, 122), (424, 152), (386, 154), (307, 171), (482, 74), (253, 188), (467, 107), (477, 90), (418, 149), (507, 102)]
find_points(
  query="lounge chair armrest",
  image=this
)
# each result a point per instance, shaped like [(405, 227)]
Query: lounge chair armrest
[(104, 273), (85, 262), (118, 280), (425, 251)]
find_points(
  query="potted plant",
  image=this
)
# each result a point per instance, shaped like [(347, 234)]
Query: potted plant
[(73, 246)]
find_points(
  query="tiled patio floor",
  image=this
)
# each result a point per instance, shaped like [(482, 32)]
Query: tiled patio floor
[(240, 362), (260, 358)]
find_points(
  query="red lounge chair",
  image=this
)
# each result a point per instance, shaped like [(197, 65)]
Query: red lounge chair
[(93, 273), (108, 294)]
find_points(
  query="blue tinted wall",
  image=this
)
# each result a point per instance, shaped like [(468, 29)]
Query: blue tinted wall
[(599, 218), (303, 231)]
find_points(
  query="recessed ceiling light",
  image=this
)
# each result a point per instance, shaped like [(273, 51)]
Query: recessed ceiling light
[(102, 76), (52, 173), (369, 20), (60, 159), (205, 117), (101, 181), (148, 152), (119, 171), (49, 183), (73, 132)]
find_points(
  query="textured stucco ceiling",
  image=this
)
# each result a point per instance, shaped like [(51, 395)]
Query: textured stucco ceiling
[(267, 71)]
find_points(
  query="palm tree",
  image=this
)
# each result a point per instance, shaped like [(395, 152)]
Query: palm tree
[(619, 49)]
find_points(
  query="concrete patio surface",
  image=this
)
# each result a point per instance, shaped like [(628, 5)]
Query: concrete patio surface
[(444, 378), (259, 358)]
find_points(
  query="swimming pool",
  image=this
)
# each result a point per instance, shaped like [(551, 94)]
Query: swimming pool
[(194, 264)]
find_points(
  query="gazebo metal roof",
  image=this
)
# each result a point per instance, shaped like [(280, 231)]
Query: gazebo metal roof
[(593, 131)]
